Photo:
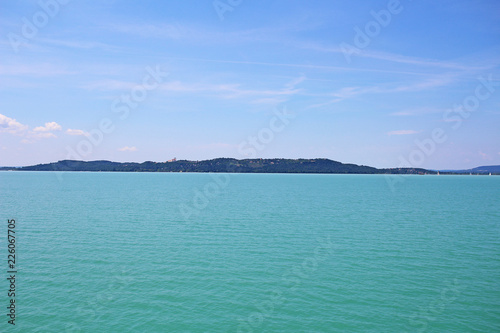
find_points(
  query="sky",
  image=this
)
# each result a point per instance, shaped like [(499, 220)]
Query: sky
[(379, 83)]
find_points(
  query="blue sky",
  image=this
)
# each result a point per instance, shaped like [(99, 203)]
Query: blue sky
[(380, 83)]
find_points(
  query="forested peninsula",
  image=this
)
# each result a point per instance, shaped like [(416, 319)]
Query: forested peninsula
[(231, 165)]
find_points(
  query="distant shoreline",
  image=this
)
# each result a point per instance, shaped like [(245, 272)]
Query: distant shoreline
[(263, 173), (231, 165)]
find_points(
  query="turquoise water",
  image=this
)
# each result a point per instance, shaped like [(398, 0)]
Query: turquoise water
[(164, 252)]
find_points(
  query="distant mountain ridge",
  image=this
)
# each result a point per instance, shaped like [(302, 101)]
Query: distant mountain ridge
[(276, 165), (490, 168), (480, 169), (231, 165)]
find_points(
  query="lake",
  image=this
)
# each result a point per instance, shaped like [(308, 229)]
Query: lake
[(177, 252)]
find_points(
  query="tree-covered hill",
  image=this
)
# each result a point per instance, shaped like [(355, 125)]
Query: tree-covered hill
[(275, 165)]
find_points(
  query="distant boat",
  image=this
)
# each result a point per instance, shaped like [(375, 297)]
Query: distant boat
[(490, 173), (438, 173)]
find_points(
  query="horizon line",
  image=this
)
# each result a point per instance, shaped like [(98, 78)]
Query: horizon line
[(174, 160)]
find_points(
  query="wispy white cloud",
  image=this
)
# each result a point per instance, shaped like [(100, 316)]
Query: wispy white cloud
[(351, 92), (310, 66), (109, 85), (433, 82), (390, 57), (41, 135), (77, 44), (402, 132), (270, 100), (182, 87), (52, 126), (219, 90), (37, 70), (32, 137), (295, 82), (402, 113), (127, 148), (166, 31), (191, 33), (71, 131), (12, 126), (241, 92), (416, 112)]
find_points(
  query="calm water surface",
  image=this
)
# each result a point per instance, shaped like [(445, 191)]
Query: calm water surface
[(164, 252)]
